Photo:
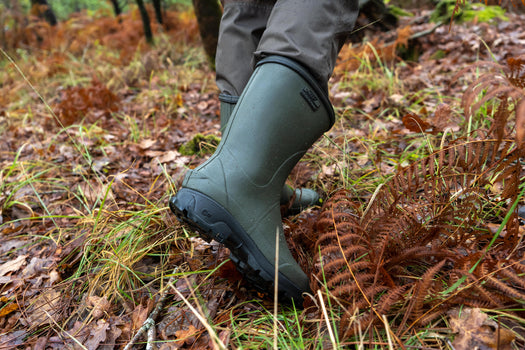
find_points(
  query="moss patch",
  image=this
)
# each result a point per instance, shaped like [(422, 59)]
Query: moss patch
[(200, 145)]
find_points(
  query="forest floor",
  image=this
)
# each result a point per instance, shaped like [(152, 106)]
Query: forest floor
[(92, 121)]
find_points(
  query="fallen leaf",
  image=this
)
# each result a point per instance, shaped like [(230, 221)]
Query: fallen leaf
[(329, 170), (139, 316), (147, 143), (441, 116), (45, 308), (476, 331), (168, 346), (396, 98), (520, 126), (12, 340), (171, 322), (100, 305), (94, 191), (202, 105), (224, 337), (186, 336), (7, 309), (112, 334), (415, 124), (35, 266), (372, 103), (12, 244), (12, 265), (41, 343), (80, 330), (169, 156), (54, 276), (229, 271), (97, 335)]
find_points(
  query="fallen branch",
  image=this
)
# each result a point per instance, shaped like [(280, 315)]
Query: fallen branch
[(149, 325)]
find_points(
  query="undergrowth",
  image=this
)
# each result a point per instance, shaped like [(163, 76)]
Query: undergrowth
[(419, 218)]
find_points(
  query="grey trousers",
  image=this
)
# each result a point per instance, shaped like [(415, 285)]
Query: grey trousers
[(310, 32)]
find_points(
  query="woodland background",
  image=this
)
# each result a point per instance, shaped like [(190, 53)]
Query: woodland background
[(418, 243)]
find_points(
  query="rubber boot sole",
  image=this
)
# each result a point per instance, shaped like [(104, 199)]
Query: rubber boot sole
[(212, 221)]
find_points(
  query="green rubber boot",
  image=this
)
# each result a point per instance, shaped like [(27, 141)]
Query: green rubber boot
[(294, 200), (233, 197)]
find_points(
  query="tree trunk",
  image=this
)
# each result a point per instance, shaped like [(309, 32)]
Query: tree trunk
[(208, 13), (157, 5), (145, 21), (42, 9), (116, 7)]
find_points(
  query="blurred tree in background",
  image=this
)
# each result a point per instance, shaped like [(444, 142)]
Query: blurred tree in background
[(41, 8), (64, 8), (374, 13), (208, 13)]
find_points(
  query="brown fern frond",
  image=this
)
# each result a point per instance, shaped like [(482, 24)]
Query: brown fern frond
[(340, 264), (365, 321), (474, 303), (420, 292), (520, 126), (394, 295), (474, 288), (501, 83), (346, 238), (424, 231), (433, 314), (485, 267), (488, 297), (518, 265), (516, 72), (371, 293), (499, 126), (327, 221), (356, 295), (419, 254), (346, 291), (349, 252), (361, 279), (505, 289), (515, 278)]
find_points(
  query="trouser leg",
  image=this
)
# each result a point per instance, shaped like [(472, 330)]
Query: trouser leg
[(242, 25), (311, 32)]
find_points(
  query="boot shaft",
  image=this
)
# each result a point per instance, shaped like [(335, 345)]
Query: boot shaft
[(280, 114)]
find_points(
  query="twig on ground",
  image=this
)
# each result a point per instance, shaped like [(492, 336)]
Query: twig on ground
[(151, 338), (149, 325)]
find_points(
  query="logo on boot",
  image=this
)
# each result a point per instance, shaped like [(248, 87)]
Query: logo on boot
[(311, 98)]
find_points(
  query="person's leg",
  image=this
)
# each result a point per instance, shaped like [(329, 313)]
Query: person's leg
[(242, 25), (233, 197), (310, 32)]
